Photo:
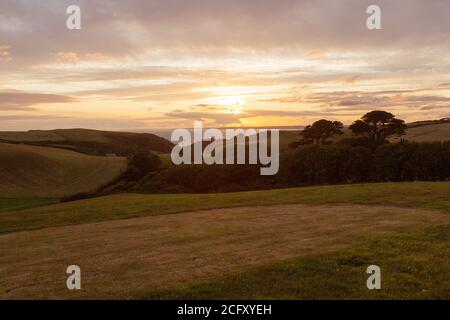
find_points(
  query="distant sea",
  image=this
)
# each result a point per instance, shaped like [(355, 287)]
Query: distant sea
[(166, 133)]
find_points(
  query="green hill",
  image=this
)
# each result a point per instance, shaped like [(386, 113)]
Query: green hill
[(93, 142), (33, 171)]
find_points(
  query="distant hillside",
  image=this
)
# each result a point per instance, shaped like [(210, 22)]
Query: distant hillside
[(428, 122), (32, 171), (421, 131), (93, 142), (427, 133)]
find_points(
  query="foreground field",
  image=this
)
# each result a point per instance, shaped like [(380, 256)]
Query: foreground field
[(31, 171), (127, 258), (310, 243), (414, 265)]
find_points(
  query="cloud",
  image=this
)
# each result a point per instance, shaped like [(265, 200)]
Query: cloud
[(315, 53), (447, 107), (362, 100), (216, 117), (126, 28), (278, 55), (206, 106), (19, 100), (5, 55), (220, 118), (21, 117), (352, 80), (286, 113), (70, 57), (26, 122)]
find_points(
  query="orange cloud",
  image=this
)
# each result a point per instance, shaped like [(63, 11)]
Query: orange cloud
[(352, 80), (70, 57), (95, 56), (317, 53), (4, 53), (20, 100)]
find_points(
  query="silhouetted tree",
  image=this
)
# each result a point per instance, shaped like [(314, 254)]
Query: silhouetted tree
[(377, 126), (319, 132)]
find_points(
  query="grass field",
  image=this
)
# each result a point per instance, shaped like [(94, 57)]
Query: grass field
[(432, 195), (32, 172), (341, 274), (294, 243), (428, 133), (17, 204), (435, 132)]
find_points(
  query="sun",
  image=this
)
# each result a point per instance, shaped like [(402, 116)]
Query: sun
[(232, 104), (236, 111)]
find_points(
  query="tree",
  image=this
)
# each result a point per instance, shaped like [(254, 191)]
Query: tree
[(319, 132), (140, 164), (377, 126)]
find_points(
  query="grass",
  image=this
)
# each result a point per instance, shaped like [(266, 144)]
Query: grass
[(15, 204), (32, 172), (30, 136), (53, 135), (435, 132), (414, 265), (134, 258), (427, 195), (166, 161), (429, 133)]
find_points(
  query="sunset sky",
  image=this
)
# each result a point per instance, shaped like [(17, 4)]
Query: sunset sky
[(139, 65)]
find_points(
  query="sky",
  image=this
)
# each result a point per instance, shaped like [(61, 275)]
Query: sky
[(151, 64)]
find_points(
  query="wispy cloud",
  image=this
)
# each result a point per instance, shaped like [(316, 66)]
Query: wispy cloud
[(18, 100), (172, 61)]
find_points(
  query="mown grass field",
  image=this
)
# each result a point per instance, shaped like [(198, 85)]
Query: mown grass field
[(414, 265), (304, 243), (426, 195), (33, 172), (434, 132)]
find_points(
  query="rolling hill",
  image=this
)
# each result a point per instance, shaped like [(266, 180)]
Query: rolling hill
[(30, 171), (92, 142), (33, 171), (417, 132), (428, 133)]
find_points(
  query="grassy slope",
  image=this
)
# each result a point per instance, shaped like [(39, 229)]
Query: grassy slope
[(129, 258), (53, 135), (91, 142), (17, 204), (414, 265), (413, 255), (30, 171), (30, 136), (435, 132), (426, 133), (429, 195)]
